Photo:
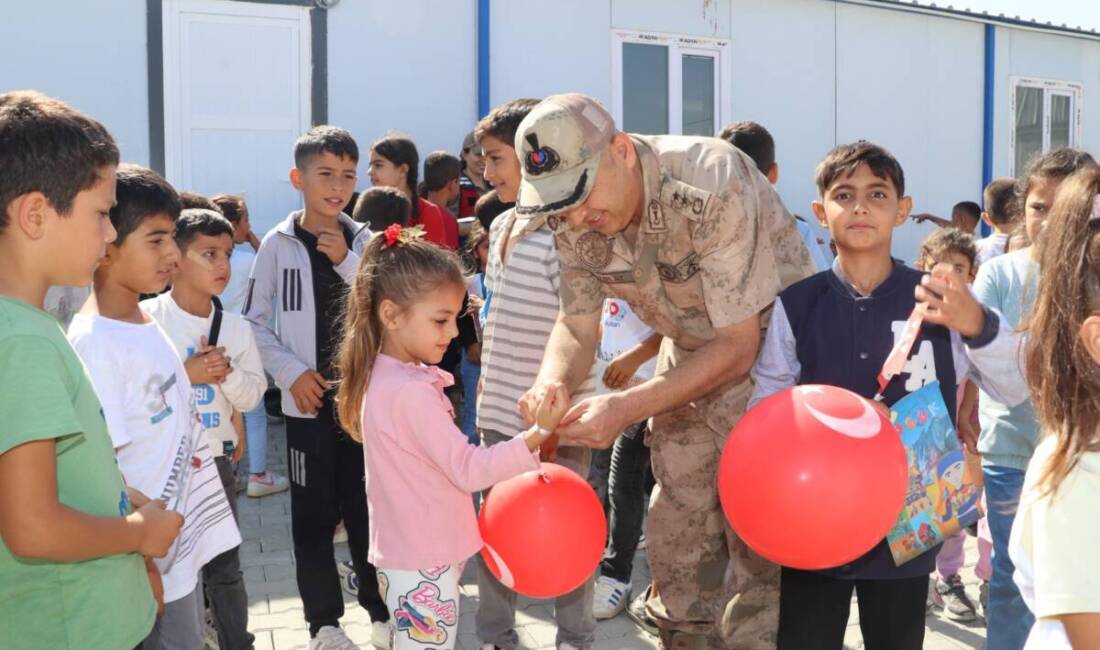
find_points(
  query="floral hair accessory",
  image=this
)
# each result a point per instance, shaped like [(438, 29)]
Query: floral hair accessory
[(396, 234)]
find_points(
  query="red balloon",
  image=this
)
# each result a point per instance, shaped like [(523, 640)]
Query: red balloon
[(544, 531), (812, 477)]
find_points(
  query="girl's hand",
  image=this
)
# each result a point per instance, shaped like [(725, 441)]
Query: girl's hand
[(551, 409)]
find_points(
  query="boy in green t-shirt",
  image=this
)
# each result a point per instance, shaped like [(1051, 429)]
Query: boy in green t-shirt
[(71, 545)]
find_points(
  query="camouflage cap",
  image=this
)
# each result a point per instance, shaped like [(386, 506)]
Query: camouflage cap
[(559, 144)]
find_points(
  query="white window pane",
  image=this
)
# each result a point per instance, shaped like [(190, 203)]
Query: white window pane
[(1029, 125), (698, 95), (1059, 121), (645, 88)]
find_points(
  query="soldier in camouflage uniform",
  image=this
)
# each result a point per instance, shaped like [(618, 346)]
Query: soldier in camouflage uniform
[(695, 239)]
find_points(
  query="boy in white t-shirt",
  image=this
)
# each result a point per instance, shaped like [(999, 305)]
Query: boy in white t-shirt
[(261, 481), (217, 345), (1001, 213), (627, 356), (147, 398)]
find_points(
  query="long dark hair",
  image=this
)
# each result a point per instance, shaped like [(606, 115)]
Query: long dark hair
[(400, 150), (1064, 378)]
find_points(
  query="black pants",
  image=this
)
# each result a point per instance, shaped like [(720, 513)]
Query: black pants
[(626, 485), (326, 485), (814, 608), (225, 590)]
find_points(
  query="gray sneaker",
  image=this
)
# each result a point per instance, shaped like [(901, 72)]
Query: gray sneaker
[(636, 611), (331, 638), (957, 606)]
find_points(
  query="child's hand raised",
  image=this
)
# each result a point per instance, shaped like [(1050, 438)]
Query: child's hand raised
[(551, 409), (944, 298)]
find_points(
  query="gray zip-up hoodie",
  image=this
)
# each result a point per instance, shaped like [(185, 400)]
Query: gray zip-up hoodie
[(280, 294)]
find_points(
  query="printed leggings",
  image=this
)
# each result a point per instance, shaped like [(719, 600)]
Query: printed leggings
[(424, 606)]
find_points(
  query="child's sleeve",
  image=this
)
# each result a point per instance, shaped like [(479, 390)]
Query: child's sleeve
[(777, 368), (259, 307), (421, 414), (350, 265), (109, 381), (34, 398), (245, 386), (1063, 533), (994, 360)]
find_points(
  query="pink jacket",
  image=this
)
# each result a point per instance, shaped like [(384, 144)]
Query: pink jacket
[(421, 470)]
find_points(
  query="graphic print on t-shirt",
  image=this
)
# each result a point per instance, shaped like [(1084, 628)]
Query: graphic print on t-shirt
[(157, 388), (921, 364)]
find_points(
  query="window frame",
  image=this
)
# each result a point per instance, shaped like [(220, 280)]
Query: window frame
[(1049, 88), (677, 46)]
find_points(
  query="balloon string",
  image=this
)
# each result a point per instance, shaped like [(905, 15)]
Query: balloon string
[(895, 361)]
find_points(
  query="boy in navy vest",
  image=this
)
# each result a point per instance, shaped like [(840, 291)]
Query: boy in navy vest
[(837, 327)]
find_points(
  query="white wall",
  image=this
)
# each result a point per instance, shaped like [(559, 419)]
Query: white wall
[(783, 78), (691, 17), (89, 54), (1046, 56), (913, 84), (406, 66), (539, 48)]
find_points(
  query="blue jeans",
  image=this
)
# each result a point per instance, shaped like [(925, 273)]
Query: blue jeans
[(255, 429), (1009, 620), (471, 373)]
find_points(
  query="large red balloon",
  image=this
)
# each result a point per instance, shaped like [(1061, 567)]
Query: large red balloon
[(544, 531), (812, 477)]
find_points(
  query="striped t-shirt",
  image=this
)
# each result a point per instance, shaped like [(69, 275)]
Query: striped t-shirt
[(521, 314)]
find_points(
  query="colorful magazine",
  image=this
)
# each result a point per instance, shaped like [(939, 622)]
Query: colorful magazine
[(942, 498)]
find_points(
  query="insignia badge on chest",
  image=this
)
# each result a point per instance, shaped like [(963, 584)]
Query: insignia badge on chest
[(593, 249), (655, 217)]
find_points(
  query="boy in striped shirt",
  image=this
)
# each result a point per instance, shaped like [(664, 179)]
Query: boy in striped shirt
[(523, 276)]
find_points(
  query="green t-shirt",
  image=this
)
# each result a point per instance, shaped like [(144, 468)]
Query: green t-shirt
[(45, 394)]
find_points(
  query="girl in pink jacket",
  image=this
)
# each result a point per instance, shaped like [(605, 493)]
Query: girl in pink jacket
[(420, 468)]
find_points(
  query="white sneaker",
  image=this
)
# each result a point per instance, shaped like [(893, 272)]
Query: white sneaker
[(331, 638), (610, 598), (381, 635), (261, 485)]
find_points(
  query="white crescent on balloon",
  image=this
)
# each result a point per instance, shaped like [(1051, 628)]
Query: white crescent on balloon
[(506, 577), (867, 425)]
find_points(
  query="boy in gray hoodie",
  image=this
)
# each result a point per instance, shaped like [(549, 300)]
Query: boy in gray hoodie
[(301, 275)]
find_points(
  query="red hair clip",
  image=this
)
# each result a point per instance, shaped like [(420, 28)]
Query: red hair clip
[(392, 233)]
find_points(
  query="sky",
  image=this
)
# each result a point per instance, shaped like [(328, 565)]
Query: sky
[(1085, 13)]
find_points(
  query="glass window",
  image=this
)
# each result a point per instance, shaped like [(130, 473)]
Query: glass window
[(698, 95), (645, 88), (1029, 125), (1059, 120)]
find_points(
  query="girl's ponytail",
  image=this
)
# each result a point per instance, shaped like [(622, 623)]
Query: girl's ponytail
[(397, 265)]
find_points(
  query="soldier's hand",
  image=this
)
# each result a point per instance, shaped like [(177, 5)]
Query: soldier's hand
[(529, 403), (595, 422)]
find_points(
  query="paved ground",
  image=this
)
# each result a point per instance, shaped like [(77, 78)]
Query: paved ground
[(275, 611)]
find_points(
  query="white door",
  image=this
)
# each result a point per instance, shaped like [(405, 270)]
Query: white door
[(236, 96)]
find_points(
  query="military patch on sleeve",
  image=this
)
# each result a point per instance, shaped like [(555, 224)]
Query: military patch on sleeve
[(690, 201), (655, 217), (681, 271), (593, 250)]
